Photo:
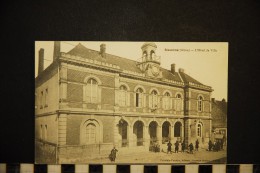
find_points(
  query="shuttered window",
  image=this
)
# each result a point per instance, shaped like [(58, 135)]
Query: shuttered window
[(178, 102), (154, 99), (123, 95), (91, 91), (167, 101), (139, 97), (90, 133)]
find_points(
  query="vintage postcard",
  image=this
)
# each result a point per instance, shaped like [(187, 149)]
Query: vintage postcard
[(130, 102)]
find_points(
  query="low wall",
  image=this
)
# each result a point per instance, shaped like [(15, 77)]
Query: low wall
[(81, 153), (45, 152)]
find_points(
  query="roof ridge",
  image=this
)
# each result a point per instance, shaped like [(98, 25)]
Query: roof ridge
[(79, 44), (98, 52)]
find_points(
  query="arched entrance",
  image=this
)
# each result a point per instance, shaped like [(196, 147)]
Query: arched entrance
[(166, 132), (153, 132), (178, 130), (122, 125), (138, 132)]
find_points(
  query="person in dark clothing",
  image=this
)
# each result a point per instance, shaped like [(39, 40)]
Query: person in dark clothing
[(191, 148), (197, 145), (176, 147), (221, 144), (182, 147), (113, 154), (217, 146), (169, 147), (210, 145)]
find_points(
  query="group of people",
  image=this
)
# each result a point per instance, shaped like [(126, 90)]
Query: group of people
[(176, 149), (217, 145)]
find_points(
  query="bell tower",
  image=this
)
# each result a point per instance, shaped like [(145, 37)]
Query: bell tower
[(150, 62)]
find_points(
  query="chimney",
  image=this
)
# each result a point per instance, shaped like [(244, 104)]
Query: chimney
[(56, 51), (181, 70), (173, 68), (41, 61), (103, 50)]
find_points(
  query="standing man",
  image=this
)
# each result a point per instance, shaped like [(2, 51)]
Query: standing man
[(113, 154), (169, 147), (210, 145), (176, 146), (182, 146), (197, 145), (191, 148)]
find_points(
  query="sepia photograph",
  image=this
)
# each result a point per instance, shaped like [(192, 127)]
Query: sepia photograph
[(131, 102)]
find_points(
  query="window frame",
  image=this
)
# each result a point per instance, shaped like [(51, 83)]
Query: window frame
[(154, 99), (200, 104), (89, 89), (123, 95), (139, 97)]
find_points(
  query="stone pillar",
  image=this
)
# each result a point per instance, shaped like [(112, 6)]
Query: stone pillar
[(130, 136), (159, 134), (172, 133), (146, 136), (116, 120), (63, 85), (187, 132), (62, 129)]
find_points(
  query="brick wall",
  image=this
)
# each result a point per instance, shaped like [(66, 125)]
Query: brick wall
[(73, 127)]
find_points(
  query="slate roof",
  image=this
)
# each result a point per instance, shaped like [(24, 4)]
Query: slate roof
[(187, 78), (126, 64), (222, 105)]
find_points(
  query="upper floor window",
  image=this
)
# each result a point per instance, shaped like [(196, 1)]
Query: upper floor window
[(178, 102), (200, 104), (154, 99), (46, 98), (139, 97), (46, 132), (91, 91), (167, 101), (41, 100), (123, 95)]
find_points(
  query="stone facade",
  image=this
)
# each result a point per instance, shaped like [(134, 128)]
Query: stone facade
[(96, 102)]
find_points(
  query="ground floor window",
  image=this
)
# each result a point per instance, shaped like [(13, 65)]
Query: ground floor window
[(90, 133), (199, 130)]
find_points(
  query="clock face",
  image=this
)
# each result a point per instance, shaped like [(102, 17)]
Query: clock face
[(155, 70)]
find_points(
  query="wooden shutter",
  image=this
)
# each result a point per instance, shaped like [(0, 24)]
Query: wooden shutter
[(99, 94), (127, 98), (150, 101), (88, 93), (144, 100)]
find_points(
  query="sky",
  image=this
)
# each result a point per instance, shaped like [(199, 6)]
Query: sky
[(206, 62)]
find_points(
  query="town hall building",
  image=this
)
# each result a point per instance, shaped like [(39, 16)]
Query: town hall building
[(88, 101)]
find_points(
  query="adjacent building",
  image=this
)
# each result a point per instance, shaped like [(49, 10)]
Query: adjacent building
[(88, 101)]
